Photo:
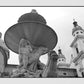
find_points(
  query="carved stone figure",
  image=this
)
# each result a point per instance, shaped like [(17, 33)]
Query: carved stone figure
[(3, 45), (34, 63), (29, 59), (4, 55), (24, 50), (50, 70)]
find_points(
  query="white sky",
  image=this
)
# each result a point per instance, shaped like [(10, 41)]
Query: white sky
[(41, 2), (58, 18)]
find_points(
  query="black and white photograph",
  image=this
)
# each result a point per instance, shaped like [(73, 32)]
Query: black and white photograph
[(41, 42)]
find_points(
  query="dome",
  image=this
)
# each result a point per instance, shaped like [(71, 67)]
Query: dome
[(76, 27), (61, 56), (32, 16), (38, 33)]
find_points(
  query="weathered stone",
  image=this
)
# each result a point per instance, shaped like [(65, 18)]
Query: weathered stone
[(50, 70)]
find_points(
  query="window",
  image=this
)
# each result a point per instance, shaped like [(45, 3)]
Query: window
[(81, 32), (64, 73), (82, 74), (62, 59), (77, 32), (77, 50), (59, 60)]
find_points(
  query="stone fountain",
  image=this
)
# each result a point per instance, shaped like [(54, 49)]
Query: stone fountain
[(32, 27)]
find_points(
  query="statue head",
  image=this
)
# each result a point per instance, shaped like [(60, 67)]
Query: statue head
[(25, 44), (53, 55)]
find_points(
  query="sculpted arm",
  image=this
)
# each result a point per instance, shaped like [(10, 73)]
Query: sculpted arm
[(37, 53)]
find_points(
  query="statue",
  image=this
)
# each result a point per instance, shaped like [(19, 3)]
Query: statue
[(3, 45), (4, 55), (24, 50), (29, 55), (50, 70)]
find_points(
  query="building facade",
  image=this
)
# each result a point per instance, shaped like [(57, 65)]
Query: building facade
[(78, 48)]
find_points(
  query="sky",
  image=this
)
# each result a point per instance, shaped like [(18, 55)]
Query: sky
[(60, 19), (42, 2)]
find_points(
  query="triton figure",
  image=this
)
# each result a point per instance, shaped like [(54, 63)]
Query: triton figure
[(29, 59)]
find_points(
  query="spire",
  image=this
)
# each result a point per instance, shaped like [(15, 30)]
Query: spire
[(75, 23), (59, 51), (76, 27)]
